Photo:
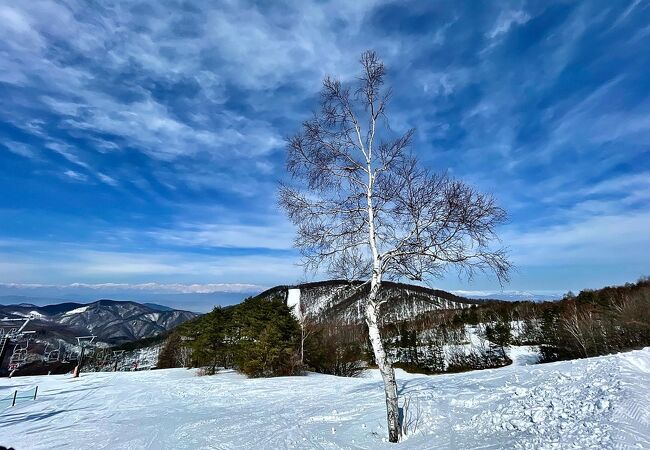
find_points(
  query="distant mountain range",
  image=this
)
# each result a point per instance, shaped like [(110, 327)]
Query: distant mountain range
[(113, 322), (199, 302), (512, 295)]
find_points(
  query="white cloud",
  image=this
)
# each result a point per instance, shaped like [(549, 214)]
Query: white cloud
[(594, 119), (20, 149), (277, 236), (157, 288), (444, 83), (75, 175), (68, 262), (252, 50), (588, 240), (506, 20), (107, 179), (67, 152)]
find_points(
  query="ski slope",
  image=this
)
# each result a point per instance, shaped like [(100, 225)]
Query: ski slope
[(591, 403)]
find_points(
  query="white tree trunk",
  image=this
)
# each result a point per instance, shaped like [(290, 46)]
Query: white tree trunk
[(384, 363), (302, 343)]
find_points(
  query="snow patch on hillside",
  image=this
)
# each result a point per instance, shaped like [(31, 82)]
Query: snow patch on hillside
[(76, 311), (293, 302), (34, 314), (153, 316)]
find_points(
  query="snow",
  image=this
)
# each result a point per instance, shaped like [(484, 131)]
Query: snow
[(520, 355), (152, 316), (523, 355), (34, 314), (76, 311), (293, 302), (591, 403)]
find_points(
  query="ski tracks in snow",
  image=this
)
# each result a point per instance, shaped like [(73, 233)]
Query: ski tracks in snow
[(592, 403), (631, 416)]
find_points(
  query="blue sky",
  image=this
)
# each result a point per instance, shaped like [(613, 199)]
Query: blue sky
[(141, 142)]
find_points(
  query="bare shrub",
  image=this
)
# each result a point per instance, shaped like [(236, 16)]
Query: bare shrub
[(410, 414)]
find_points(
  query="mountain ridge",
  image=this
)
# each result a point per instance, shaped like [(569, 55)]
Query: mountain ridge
[(342, 300), (113, 321)]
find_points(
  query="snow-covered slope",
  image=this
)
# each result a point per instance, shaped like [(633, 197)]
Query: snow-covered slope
[(591, 403)]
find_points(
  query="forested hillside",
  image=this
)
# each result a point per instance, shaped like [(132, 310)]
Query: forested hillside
[(261, 337)]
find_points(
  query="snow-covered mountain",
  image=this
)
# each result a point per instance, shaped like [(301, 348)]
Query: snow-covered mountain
[(342, 301), (111, 321), (512, 295)]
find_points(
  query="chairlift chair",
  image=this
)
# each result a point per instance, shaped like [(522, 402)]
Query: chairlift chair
[(19, 355), (53, 355), (67, 357)]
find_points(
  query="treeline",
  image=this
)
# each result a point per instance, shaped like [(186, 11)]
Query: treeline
[(597, 322), (260, 337), (592, 323)]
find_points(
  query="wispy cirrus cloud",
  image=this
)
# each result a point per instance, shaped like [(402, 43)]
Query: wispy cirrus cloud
[(590, 240), (276, 236), (91, 263), (76, 176), (506, 20)]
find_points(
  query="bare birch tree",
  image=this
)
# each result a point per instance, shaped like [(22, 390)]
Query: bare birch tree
[(365, 209)]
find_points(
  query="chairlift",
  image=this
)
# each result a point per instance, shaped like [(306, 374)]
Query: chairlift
[(69, 356), (53, 355), (19, 355), (85, 341), (45, 352), (10, 333), (101, 357)]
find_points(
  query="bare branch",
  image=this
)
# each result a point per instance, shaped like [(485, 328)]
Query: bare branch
[(364, 208)]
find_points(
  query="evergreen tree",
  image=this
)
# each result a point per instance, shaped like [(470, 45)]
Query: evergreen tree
[(210, 349), (169, 354), (499, 333)]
